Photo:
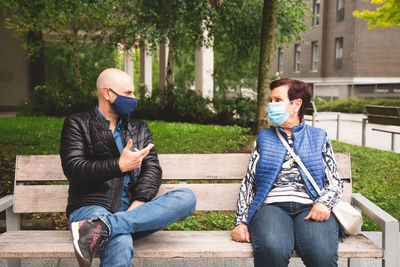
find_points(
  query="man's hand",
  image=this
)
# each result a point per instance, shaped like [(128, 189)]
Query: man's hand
[(130, 160), (241, 233), (319, 212), (135, 204)]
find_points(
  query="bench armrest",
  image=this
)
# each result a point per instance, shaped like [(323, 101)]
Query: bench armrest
[(389, 224), (6, 202)]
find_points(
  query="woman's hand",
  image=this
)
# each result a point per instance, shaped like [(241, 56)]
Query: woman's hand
[(319, 212), (241, 233)]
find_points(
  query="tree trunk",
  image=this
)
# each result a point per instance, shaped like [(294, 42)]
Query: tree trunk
[(170, 63), (77, 71), (37, 64), (268, 29)]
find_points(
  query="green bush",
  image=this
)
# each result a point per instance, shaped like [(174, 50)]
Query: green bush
[(48, 101), (172, 104), (238, 111), (352, 105), (185, 105)]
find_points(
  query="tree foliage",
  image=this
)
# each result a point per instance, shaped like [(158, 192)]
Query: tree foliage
[(386, 15), (74, 22), (237, 34), (243, 55), (180, 23)]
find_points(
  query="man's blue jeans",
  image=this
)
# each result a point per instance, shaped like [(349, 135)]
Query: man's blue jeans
[(148, 218), (277, 229)]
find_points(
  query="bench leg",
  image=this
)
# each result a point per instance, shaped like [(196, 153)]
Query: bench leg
[(390, 244), (12, 220), (14, 262), (354, 262)]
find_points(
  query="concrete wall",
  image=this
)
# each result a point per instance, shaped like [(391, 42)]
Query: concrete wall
[(14, 71)]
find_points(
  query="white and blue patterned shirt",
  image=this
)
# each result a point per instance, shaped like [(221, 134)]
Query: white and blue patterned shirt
[(289, 186)]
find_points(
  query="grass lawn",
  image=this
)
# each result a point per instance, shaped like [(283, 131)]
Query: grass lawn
[(375, 173)]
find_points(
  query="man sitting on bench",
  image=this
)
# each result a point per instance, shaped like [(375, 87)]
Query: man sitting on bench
[(114, 176)]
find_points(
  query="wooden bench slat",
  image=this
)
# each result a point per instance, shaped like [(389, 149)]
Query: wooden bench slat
[(383, 110), (53, 198), (384, 120), (174, 166), (164, 244), (194, 166)]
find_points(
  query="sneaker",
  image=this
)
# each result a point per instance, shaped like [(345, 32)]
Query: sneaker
[(89, 237)]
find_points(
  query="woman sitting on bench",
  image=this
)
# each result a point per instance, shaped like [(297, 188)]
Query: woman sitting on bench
[(278, 209)]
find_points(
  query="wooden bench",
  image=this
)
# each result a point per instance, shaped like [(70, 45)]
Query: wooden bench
[(382, 115), (33, 194)]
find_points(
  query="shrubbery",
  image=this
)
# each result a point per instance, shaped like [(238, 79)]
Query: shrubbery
[(48, 101), (185, 105), (353, 105), (170, 104)]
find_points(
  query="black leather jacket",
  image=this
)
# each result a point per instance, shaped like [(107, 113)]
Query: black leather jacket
[(89, 157)]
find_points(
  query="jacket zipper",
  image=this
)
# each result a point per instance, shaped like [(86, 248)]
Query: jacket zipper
[(116, 197)]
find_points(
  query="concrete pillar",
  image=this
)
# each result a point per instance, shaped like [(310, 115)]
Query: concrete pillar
[(163, 64), (145, 70), (204, 68), (128, 63)]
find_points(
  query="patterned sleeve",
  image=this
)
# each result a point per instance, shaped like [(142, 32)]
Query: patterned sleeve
[(333, 186), (247, 188)]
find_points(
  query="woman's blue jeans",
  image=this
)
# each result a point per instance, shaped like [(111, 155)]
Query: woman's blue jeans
[(277, 229), (148, 218)]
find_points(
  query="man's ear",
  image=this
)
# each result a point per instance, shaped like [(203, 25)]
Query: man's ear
[(106, 93)]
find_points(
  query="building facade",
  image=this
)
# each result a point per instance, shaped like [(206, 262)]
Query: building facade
[(340, 57)]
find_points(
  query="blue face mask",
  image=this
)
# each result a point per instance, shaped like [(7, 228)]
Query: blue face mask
[(277, 112), (123, 105)]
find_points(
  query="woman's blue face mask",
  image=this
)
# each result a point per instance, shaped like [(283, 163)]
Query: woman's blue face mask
[(123, 105), (277, 112)]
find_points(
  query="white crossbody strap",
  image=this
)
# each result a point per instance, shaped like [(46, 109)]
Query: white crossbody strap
[(298, 161)]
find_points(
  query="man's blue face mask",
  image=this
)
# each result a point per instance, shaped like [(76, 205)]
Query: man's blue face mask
[(123, 105), (277, 112)]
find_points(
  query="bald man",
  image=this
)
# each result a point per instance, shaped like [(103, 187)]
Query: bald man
[(114, 176)]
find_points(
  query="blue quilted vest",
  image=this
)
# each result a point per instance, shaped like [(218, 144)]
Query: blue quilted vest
[(308, 144)]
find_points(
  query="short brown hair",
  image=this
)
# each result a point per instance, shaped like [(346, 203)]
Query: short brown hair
[(297, 89)]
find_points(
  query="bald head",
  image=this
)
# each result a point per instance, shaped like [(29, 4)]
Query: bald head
[(116, 79)]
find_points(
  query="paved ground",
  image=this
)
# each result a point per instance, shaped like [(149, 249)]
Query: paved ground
[(7, 114), (350, 130)]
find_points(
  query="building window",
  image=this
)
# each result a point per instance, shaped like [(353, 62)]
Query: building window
[(316, 5), (297, 58), (340, 10), (314, 63), (338, 53), (280, 60)]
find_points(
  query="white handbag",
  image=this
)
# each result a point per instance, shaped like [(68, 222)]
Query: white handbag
[(350, 218)]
